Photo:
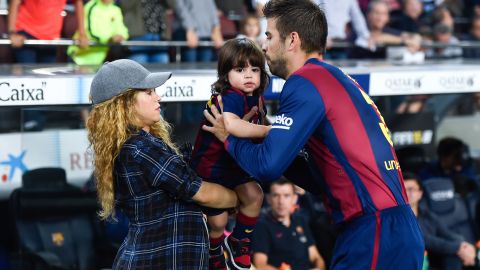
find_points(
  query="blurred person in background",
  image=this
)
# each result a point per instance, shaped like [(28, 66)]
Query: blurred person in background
[(258, 5), (454, 162), (146, 20), (439, 240), (339, 15), (104, 25), (443, 34), (250, 28), (443, 15), (473, 35), (283, 237), (40, 19), (198, 22), (410, 19), (378, 17)]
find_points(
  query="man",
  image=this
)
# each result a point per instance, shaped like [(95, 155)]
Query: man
[(451, 250), (453, 162), (453, 158), (349, 151), (283, 238), (378, 17), (37, 19)]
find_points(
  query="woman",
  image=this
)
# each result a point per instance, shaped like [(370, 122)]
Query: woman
[(140, 172)]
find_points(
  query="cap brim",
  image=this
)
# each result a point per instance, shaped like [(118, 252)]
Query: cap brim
[(153, 80)]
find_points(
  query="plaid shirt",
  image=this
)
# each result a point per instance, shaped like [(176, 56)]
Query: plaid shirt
[(154, 187)]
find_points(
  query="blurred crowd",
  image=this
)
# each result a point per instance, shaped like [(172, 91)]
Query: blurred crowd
[(410, 30)]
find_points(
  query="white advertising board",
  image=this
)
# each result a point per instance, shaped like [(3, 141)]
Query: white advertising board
[(20, 152)]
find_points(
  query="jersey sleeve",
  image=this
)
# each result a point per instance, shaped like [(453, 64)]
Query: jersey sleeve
[(233, 103), (301, 111)]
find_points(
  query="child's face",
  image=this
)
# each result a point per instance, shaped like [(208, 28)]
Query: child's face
[(246, 79), (252, 28)]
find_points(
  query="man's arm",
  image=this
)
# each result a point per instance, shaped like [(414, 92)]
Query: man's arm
[(315, 258), (260, 260), (301, 111), (82, 34), (16, 39), (243, 129), (183, 13), (359, 24), (217, 37)]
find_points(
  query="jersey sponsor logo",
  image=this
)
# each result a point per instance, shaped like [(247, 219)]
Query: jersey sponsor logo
[(282, 122), (391, 165)]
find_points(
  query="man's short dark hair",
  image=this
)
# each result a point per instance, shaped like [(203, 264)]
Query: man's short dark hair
[(282, 181), (410, 176), (450, 146), (301, 16)]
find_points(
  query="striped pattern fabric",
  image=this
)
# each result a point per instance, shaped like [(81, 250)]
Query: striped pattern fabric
[(349, 149)]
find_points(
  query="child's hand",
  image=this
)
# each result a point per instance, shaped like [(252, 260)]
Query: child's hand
[(250, 114)]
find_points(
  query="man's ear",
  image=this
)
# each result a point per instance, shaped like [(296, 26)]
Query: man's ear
[(293, 41)]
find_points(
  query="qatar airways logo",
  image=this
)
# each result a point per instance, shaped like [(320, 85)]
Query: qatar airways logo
[(457, 82), (282, 122), (404, 83)]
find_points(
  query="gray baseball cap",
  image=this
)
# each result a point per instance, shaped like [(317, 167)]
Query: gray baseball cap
[(114, 78)]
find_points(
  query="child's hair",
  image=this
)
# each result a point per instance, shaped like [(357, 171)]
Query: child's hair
[(235, 53)]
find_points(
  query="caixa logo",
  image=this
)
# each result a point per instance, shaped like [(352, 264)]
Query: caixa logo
[(11, 93), (14, 162), (282, 122)]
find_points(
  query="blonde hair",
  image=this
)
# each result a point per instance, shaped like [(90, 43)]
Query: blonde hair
[(109, 125)]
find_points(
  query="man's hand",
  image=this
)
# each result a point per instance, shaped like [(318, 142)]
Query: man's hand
[(17, 40), (83, 41), (192, 39), (467, 254), (117, 39)]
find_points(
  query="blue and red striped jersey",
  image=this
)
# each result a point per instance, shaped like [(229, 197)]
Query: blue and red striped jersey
[(209, 158), (351, 158)]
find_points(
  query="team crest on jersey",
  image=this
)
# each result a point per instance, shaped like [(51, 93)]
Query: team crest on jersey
[(282, 122)]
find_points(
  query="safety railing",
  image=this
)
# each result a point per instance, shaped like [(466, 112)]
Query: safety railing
[(178, 44)]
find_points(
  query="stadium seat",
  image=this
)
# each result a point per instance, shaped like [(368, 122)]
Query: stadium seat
[(452, 210), (54, 223)]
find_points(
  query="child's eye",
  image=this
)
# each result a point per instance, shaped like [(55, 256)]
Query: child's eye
[(239, 69), (256, 69)]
